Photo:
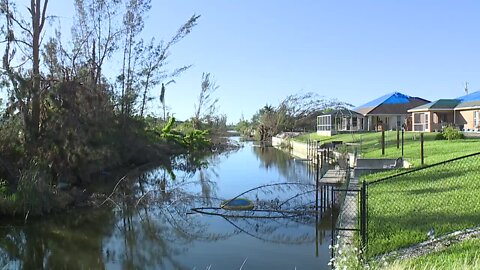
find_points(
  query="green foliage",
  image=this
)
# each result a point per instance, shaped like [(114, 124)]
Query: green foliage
[(3, 187), (79, 133), (168, 127), (197, 140), (34, 193), (12, 137), (190, 138), (244, 127), (451, 133)]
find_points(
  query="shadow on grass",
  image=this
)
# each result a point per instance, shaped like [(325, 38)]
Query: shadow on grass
[(435, 175), (432, 190)]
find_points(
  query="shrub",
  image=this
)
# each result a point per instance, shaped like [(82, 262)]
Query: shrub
[(452, 133)]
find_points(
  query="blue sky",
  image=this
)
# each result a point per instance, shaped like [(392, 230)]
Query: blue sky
[(355, 51)]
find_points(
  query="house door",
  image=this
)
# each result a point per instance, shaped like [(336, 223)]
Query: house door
[(408, 123)]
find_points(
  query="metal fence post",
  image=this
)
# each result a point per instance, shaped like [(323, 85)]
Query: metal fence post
[(421, 149), (316, 183), (383, 142), (398, 137), (363, 216), (403, 131)]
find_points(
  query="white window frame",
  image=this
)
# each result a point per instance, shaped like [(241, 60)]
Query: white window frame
[(324, 122)]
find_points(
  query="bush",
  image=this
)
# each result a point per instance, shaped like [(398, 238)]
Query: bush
[(439, 137), (34, 193), (452, 133)]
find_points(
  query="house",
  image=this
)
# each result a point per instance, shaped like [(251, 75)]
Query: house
[(462, 112), (338, 121), (434, 115), (389, 112)]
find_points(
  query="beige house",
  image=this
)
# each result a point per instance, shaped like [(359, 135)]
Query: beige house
[(462, 112)]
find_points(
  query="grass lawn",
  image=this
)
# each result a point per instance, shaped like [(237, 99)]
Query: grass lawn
[(460, 256)]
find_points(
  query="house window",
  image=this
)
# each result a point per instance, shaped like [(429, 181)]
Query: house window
[(425, 116), (420, 121), (324, 123), (345, 123), (416, 118), (399, 121), (476, 118)]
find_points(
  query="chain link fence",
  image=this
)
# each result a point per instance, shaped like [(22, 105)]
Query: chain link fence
[(422, 204)]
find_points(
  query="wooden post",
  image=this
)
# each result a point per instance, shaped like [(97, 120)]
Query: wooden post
[(398, 138), (308, 149), (383, 142), (421, 148), (321, 159)]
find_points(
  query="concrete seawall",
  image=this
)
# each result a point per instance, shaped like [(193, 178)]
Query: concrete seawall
[(304, 151), (297, 149)]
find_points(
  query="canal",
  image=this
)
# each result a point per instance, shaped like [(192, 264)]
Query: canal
[(151, 225)]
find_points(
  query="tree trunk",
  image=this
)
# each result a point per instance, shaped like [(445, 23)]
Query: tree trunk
[(144, 100), (38, 20)]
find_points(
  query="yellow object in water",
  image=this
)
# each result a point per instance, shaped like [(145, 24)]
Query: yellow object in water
[(237, 204)]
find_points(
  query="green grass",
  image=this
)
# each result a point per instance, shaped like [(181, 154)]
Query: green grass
[(402, 210), (464, 255)]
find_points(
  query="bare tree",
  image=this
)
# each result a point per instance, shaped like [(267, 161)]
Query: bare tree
[(27, 39), (207, 105), (95, 35), (153, 61)]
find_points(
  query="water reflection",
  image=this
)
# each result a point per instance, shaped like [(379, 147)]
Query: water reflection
[(271, 158), (56, 243), (150, 224)]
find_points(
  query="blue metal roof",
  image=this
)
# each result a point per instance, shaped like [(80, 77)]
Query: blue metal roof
[(391, 98), (475, 96)]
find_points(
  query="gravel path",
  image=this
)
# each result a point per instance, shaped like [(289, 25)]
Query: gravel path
[(436, 244)]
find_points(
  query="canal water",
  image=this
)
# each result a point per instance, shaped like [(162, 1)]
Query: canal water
[(157, 228)]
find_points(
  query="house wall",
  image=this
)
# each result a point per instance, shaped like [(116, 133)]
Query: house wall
[(325, 132), (432, 122), (465, 118), (388, 122)]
